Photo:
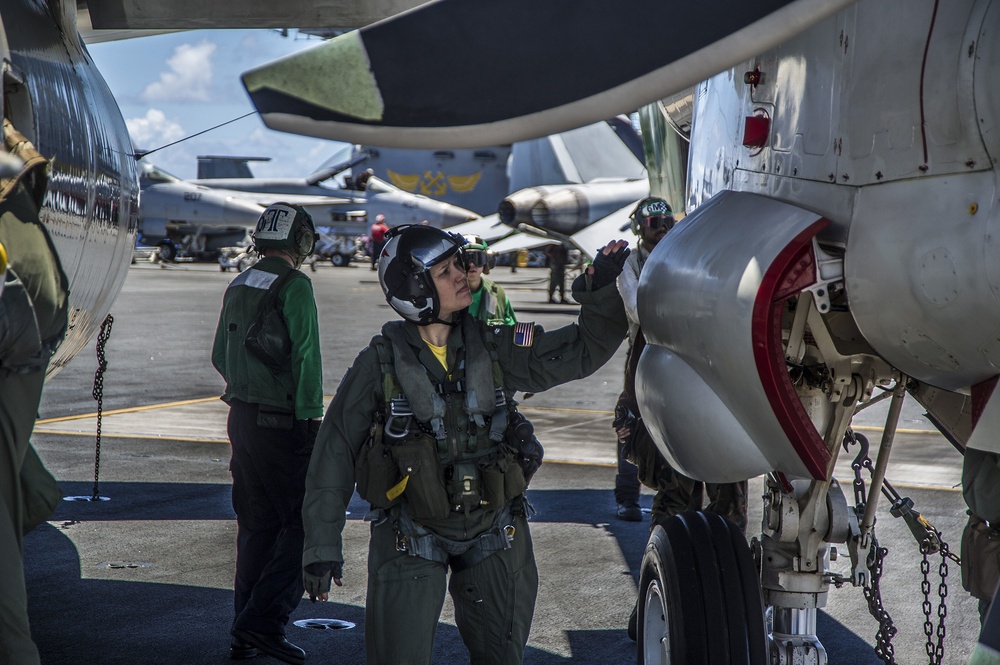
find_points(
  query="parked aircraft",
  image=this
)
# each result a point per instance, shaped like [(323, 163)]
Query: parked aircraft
[(365, 192), (840, 243), (199, 217), (560, 183), (472, 178), (479, 178), (554, 185), (179, 216)]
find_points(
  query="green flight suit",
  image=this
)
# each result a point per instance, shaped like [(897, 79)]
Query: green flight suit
[(494, 598), (28, 493)]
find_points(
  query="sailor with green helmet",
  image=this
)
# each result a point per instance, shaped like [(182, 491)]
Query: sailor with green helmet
[(267, 349), (419, 424), (489, 301)]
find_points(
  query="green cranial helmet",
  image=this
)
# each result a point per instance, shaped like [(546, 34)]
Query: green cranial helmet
[(285, 226), (477, 252), (652, 212)]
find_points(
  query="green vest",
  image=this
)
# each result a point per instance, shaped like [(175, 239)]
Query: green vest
[(490, 304), (247, 378)]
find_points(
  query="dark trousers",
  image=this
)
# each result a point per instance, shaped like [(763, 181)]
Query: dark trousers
[(557, 280), (494, 601), (627, 479), (377, 246), (269, 470), (19, 396)]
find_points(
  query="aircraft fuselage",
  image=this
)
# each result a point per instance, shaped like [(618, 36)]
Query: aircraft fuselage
[(64, 107)]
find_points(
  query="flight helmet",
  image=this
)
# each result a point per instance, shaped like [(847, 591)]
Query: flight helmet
[(285, 226), (477, 252), (404, 270), (651, 212)]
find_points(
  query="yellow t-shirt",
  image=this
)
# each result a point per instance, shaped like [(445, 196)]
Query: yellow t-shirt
[(440, 352)]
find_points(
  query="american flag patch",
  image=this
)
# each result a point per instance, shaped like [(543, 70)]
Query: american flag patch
[(524, 334)]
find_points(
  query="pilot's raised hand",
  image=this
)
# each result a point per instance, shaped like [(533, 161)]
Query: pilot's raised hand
[(608, 264)]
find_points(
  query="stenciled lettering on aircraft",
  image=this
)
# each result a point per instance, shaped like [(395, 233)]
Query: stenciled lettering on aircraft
[(435, 184), (192, 196)]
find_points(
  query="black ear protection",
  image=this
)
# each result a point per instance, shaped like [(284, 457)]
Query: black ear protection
[(305, 236)]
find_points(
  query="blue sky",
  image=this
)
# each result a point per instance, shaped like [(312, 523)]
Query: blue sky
[(174, 85)]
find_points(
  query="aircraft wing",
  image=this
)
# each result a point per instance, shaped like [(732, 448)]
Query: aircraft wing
[(489, 228), (265, 199), (519, 240), (615, 226), (445, 75), (115, 16)]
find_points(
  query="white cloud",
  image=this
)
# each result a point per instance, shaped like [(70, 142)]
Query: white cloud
[(153, 130), (189, 78)]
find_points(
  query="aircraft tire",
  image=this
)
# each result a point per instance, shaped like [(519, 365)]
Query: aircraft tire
[(699, 597), (168, 251), (340, 260)]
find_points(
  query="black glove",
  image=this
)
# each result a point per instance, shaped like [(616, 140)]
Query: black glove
[(623, 417), (607, 267), (317, 575)]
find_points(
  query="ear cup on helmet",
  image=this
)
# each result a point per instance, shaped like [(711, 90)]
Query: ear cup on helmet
[(305, 237)]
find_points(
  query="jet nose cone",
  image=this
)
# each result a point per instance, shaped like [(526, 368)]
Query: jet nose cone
[(452, 215)]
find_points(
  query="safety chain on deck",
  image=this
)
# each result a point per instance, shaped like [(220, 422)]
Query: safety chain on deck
[(102, 365), (884, 647), (935, 652), (930, 542)]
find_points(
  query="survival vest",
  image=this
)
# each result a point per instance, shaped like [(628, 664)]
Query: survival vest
[(442, 446)]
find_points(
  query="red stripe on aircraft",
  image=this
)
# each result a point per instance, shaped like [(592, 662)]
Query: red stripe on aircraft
[(792, 270)]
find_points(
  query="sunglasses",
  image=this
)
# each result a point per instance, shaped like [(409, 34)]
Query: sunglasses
[(656, 221)]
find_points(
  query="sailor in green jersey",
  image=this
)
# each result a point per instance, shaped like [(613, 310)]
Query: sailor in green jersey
[(489, 302), (267, 349), (419, 425)]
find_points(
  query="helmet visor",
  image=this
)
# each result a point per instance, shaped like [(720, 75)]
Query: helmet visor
[(432, 249)]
